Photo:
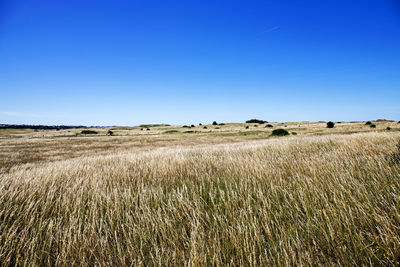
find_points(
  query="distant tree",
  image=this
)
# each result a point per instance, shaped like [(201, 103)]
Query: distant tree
[(148, 129), (330, 124), (279, 132), (200, 124), (192, 125), (214, 123), (141, 129), (205, 127), (372, 126), (268, 126), (256, 121), (185, 126), (221, 124), (368, 123), (110, 133), (246, 127)]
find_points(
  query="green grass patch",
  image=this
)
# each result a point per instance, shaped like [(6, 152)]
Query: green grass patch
[(171, 131)]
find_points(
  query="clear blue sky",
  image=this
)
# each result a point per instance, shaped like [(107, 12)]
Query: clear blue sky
[(183, 62)]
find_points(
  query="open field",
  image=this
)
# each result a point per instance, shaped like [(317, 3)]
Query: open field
[(224, 195)]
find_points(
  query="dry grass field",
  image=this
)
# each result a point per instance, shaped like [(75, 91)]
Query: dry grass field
[(225, 195)]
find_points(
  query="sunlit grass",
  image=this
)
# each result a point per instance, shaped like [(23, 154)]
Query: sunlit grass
[(331, 200)]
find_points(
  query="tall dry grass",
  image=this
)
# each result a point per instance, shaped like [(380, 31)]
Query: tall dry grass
[(331, 200)]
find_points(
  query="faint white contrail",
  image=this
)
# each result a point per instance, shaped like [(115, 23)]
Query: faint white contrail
[(270, 30)]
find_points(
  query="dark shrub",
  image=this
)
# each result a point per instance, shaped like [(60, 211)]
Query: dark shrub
[(185, 126), (141, 129), (148, 129), (188, 132), (200, 124), (110, 133), (192, 125), (372, 126), (368, 123), (214, 123), (222, 124), (88, 132), (255, 125), (388, 128), (246, 127), (279, 132), (330, 124), (268, 126), (256, 121), (217, 128), (294, 133), (205, 127)]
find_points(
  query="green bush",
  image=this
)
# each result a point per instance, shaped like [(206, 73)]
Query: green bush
[(279, 132), (88, 132)]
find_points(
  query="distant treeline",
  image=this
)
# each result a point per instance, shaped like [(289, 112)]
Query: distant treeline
[(152, 125), (44, 127)]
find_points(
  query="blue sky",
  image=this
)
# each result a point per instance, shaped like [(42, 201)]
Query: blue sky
[(182, 62)]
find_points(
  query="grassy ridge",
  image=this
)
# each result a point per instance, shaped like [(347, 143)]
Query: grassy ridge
[(332, 200)]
